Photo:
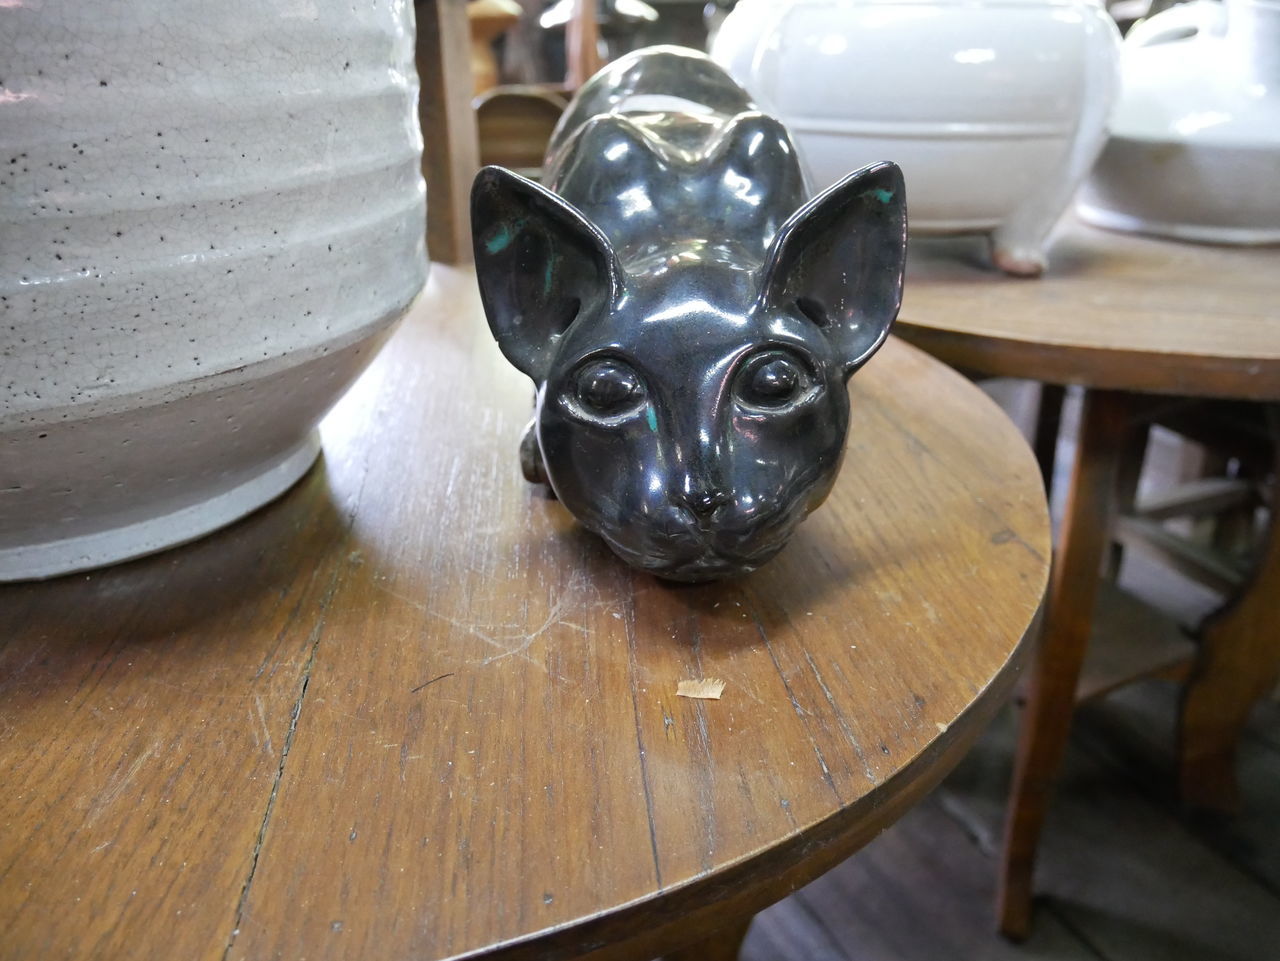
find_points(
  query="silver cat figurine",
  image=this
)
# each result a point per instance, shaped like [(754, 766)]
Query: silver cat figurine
[(688, 315)]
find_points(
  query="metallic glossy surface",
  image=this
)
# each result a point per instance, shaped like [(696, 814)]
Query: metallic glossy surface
[(688, 318)]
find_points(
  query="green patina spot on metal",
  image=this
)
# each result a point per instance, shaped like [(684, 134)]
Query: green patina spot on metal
[(653, 420), (882, 195), (546, 278), (499, 241)]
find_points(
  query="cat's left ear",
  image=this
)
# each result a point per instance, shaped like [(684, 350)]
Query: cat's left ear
[(839, 260), (540, 264)]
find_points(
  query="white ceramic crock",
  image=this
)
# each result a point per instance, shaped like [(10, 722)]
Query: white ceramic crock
[(1195, 146), (995, 109), (210, 216)]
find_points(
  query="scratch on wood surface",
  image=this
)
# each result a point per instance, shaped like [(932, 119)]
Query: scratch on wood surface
[(427, 684), (366, 720), (15, 674), (262, 716), (1006, 535), (795, 703), (313, 647), (555, 618), (194, 692), (844, 724), (629, 622), (516, 644), (108, 796)]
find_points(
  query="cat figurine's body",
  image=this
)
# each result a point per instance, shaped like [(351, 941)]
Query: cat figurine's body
[(689, 317)]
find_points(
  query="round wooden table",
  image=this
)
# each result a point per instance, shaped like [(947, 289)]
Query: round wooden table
[(410, 710), (1123, 316)]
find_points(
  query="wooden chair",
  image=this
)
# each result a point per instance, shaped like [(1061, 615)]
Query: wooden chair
[(515, 124), (489, 20), (1229, 454), (451, 141)]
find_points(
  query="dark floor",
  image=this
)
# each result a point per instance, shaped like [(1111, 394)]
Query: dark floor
[(1125, 874)]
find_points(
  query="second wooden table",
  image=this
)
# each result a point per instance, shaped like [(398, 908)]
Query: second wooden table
[(1122, 316)]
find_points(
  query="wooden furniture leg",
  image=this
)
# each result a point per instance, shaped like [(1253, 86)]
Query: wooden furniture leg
[(1073, 588), (1128, 474), (451, 148), (1238, 663), (581, 43), (723, 945), (1048, 423)]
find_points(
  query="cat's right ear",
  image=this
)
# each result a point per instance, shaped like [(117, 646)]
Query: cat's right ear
[(540, 263)]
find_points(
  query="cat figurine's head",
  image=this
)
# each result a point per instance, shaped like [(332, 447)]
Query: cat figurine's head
[(691, 406)]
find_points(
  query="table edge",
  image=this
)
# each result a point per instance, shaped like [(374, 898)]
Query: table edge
[(1140, 371), (658, 923)]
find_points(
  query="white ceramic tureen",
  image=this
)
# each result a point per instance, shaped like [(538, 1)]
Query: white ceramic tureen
[(995, 109), (1195, 146), (210, 215)]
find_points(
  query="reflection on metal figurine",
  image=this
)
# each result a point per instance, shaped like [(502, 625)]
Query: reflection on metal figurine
[(688, 318)]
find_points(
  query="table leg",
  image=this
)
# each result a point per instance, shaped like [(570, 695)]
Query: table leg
[(723, 945), (1238, 662), (1073, 588), (1128, 474), (1048, 423), (451, 145), (582, 45)]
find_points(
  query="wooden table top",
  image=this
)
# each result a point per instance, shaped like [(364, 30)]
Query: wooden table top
[(411, 711), (1113, 311)]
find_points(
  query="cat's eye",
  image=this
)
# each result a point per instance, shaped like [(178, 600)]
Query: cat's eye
[(608, 388), (773, 380)]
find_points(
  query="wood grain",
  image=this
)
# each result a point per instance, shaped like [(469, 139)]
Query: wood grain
[(1113, 311), (144, 713), (412, 711)]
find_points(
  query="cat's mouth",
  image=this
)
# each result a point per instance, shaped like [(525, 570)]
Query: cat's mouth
[(708, 567), (691, 554)]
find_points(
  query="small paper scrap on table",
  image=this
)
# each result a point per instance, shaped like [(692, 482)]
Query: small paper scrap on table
[(708, 689)]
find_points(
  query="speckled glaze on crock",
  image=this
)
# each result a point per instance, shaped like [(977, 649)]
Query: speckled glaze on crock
[(210, 217)]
